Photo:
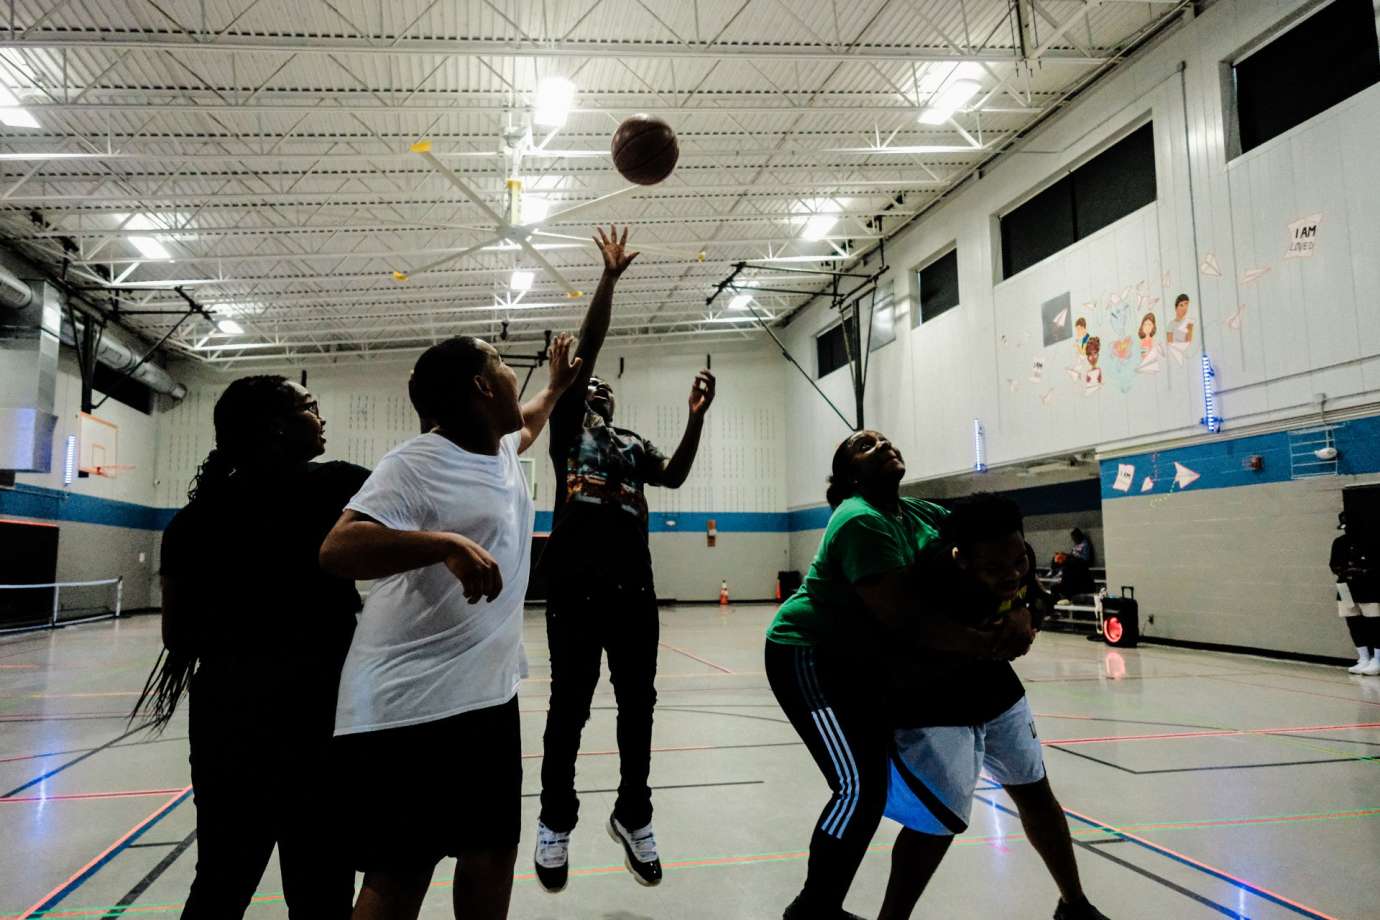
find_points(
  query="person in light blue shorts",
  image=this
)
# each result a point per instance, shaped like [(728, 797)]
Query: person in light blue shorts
[(954, 718)]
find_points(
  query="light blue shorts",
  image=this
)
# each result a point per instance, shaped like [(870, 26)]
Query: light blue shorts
[(934, 770)]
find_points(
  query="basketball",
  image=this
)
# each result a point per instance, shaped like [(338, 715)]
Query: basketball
[(645, 149)]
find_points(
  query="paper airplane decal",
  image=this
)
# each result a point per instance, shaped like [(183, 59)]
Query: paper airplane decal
[(1089, 306), (1074, 373), (1047, 397), (1147, 484), (1210, 266), (1062, 319), (1251, 274), (1183, 476), (1125, 472), (1234, 321)]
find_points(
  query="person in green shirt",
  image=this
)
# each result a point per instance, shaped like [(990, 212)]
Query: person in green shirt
[(828, 649)]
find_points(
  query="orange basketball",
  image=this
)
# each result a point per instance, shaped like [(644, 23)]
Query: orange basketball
[(645, 149)]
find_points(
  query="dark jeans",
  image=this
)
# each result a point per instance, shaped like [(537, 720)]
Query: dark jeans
[(1365, 631), (827, 700), (257, 781), (582, 623)]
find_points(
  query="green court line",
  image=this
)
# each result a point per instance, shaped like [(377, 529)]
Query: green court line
[(709, 862)]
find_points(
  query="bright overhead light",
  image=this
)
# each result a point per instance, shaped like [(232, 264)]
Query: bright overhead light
[(521, 280), (551, 107), (229, 327), (818, 227), (150, 248), (535, 208), (12, 114), (740, 301), (949, 100)]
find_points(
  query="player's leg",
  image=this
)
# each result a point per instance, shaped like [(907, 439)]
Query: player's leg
[(1370, 633), (848, 743), (1013, 757), (392, 895), (630, 638), (573, 639), (493, 822), (914, 859)]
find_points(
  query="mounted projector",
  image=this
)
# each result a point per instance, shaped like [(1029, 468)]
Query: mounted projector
[(1326, 453)]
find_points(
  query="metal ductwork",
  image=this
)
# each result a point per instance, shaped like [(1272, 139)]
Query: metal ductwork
[(29, 334), (113, 351)]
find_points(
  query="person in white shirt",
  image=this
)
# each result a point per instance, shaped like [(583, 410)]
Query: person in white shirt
[(426, 723)]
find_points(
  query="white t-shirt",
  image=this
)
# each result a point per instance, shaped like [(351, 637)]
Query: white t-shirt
[(422, 652)]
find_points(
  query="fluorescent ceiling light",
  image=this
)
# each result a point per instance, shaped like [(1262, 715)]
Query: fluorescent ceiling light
[(740, 301), (12, 114), (535, 208), (521, 280), (551, 107), (229, 327), (150, 248), (818, 227), (949, 100), (239, 309)]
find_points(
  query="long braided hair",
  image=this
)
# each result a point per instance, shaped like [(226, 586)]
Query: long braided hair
[(243, 418)]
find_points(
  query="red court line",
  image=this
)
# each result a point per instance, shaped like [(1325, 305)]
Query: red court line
[(726, 673), (17, 667), (127, 794), (1206, 867), (1164, 736), (53, 716), (717, 667), (95, 860)]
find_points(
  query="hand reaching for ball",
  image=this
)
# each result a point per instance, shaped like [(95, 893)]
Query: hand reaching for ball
[(701, 393), (562, 369), (614, 249)]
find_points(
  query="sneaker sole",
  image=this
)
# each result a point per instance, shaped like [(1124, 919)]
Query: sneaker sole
[(627, 859)]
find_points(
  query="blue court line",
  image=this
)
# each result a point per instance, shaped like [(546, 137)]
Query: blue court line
[(77, 881), (1164, 851)]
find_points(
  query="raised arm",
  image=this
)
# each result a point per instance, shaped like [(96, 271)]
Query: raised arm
[(359, 547), (595, 326), (677, 469), (561, 372)]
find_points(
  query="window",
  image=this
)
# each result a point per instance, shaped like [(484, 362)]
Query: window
[(1328, 57), (1105, 189), (832, 351), (883, 331), (936, 288)]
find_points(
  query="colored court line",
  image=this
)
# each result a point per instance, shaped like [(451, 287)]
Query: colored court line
[(41, 907), (1326, 696), (682, 749), (547, 680), (1217, 733), (72, 796), (18, 667), (693, 657), (71, 763), (160, 740)]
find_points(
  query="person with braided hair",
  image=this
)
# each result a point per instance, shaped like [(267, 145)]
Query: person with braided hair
[(258, 633)]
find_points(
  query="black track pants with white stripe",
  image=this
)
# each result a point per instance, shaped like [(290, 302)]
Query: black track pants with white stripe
[(837, 713)]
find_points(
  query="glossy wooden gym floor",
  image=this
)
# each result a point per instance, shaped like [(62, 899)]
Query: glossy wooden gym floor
[(1196, 784)]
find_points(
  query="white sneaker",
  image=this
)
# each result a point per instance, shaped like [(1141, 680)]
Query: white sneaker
[(552, 858), (639, 851), (1361, 664), (1372, 668)]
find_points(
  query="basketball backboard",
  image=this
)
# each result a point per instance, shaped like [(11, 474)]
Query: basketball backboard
[(98, 446)]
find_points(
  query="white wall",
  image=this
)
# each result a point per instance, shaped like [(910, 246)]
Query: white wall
[(740, 466), (1310, 325)]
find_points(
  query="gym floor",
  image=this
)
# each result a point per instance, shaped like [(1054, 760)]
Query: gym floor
[(1196, 784)]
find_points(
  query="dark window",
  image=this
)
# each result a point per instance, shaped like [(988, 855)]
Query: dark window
[(1328, 57), (1105, 189), (937, 286), (882, 331), (832, 350), (122, 388)]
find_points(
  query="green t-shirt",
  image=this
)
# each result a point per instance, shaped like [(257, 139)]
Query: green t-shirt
[(860, 541)]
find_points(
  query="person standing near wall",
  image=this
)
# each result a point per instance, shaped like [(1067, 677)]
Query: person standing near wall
[(1358, 598), (259, 632), (601, 599)]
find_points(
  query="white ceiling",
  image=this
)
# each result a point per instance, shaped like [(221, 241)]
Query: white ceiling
[(267, 142)]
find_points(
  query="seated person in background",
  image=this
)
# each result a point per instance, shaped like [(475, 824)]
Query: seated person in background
[(957, 715), (1082, 546)]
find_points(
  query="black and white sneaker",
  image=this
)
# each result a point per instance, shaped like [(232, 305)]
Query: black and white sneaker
[(552, 859), (1082, 910), (639, 852)]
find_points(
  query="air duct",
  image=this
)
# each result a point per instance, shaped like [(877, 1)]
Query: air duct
[(29, 334), (114, 351)]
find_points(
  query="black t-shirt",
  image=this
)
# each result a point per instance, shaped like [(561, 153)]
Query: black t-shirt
[(600, 521), (932, 688), (1350, 555), (247, 559)]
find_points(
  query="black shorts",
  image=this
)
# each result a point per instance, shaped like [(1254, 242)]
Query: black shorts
[(413, 795)]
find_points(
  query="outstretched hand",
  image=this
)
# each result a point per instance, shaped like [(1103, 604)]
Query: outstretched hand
[(701, 393), (614, 249), (561, 368)]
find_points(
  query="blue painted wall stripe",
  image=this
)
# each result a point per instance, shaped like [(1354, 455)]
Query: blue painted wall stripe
[(58, 505), (1221, 464)]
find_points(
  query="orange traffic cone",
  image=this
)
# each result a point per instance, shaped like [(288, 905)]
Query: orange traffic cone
[(778, 590), (723, 594)]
